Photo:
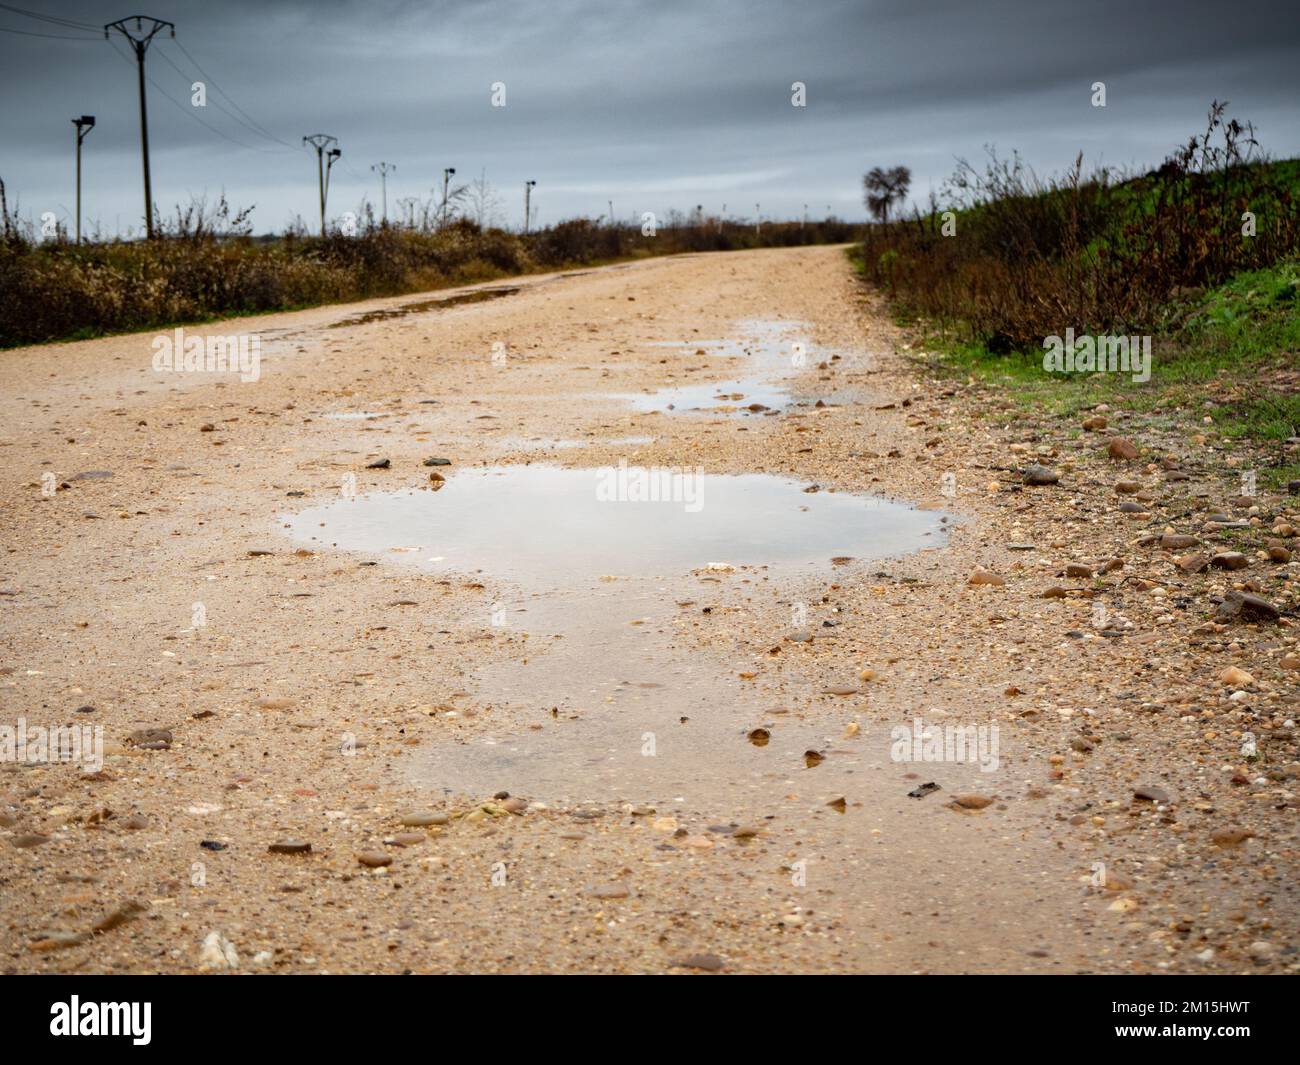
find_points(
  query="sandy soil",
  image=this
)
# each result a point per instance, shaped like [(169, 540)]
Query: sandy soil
[(326, 697)]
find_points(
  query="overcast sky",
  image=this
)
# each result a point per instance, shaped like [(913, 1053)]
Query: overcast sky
[(655, 105)]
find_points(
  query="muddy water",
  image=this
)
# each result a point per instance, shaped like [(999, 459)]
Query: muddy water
[(615, 700), (771, 352)]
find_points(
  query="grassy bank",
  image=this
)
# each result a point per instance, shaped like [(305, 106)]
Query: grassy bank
[(58, 290), (1201, 255)]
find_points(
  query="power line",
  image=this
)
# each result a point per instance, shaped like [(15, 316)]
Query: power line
[(52, 19), (223, 110), (188, 110), (48, 36), (258, 127)]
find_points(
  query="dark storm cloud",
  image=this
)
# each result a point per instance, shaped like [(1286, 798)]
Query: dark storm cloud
[(654, 105)]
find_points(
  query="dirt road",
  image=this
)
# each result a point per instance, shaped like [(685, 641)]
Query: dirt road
[(345, 650)]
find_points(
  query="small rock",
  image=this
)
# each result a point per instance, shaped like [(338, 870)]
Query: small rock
[(1040, 475), (972, 802), (217, 952), (1236, 678), (151, 739), (1121, 448), (983, 576), (922, 790), (1261, 952), (1248, 607), (379, 464), (1278, 551), (1230, 560), (1228, 838), (1127, 488), (609, 891), (290, 846), (374, 859), (437, 462), (423, 818), (1151, 793)]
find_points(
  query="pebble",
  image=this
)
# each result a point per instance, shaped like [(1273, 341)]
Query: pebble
[(609, 891), (1151, 793), (1121, 448), (379, 464), (30, 839), (1230, 560), (1040, 475), (151, 739), (374, 859), (1249, 607), (1261, 952), (217, 952), (290, 846), (1236, 678), (983, 576), (972, 802), (423, 818)]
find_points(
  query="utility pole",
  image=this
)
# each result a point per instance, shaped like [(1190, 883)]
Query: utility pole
[(758, 219), (446, 178), (140, 44), (528, 191), (805, 217), (611, 214), (319, 141), (84, 125), (382, 169)]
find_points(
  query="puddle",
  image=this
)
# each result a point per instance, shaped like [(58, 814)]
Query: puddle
[(478, 296), (775, 352), (609, 593), (545, 527), (537, 443)]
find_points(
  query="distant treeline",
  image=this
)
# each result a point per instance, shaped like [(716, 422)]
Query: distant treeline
[(1004, 258), (197, 269)]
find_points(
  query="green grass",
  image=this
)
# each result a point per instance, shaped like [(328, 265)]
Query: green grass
[(1230, 348)]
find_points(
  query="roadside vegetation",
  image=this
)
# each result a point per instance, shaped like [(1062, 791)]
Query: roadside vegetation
[(1201, 254), (205, 265)]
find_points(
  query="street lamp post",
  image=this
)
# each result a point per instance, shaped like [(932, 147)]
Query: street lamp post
[(446, 179), (528, 191), (84, 125)]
